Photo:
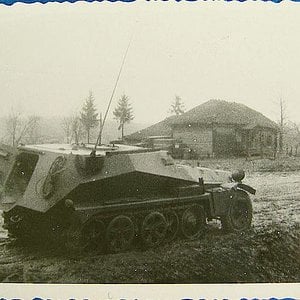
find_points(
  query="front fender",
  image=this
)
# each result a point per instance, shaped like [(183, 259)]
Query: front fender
[(238, 186), (222, 196), (246, 188)]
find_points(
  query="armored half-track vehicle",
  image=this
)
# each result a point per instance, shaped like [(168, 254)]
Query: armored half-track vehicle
[(113, 197)]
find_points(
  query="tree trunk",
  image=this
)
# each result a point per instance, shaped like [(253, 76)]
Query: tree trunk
[(14, 135), (76, 138), (122, 128), (88, 136), (13, 139)]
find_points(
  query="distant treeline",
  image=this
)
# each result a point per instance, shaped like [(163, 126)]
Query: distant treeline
[(36, 129)]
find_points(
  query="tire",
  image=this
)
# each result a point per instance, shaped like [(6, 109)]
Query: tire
[(239, 213)]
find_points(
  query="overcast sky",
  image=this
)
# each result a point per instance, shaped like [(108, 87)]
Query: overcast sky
[(52, 55)]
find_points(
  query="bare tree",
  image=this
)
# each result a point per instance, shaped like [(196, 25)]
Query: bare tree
[(20, 129), (32, 134), (13, 123), (73, 128), (66, 125), (295, 129), (77, 130)]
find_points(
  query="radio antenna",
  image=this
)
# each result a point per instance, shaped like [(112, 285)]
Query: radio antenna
[(111, 97)]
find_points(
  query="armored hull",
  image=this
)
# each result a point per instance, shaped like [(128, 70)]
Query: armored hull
[(113, 197)]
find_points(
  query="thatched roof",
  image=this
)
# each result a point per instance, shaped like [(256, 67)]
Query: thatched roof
[(162, 128), (223, 112), (212, 111)]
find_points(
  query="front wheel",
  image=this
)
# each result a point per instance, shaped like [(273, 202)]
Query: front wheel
[(239, 214)]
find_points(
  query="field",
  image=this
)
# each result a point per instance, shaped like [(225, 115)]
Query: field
[(270, 252)]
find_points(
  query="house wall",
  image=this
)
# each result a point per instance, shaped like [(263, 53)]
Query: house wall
[(210, 140), (226, 140), (198, 138)]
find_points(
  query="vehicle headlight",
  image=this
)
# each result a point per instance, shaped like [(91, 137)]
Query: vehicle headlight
[(238, 175)]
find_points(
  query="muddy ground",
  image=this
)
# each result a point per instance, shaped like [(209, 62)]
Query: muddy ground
[(270, 252)]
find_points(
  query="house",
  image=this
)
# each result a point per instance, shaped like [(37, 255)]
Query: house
[(219, 128)]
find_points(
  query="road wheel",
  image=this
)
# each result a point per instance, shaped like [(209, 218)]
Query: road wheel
[(154, 229), (86, 237), (173, 225), (120, 234), (93, 234), (239, 214), (193, 222)]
